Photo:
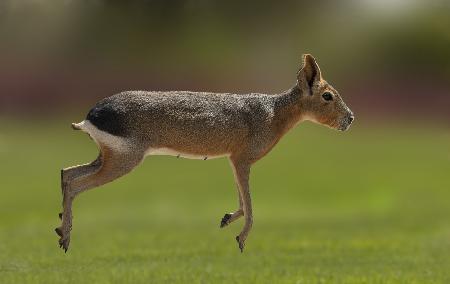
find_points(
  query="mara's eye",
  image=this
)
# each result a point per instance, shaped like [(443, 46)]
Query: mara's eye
[(327, 96)]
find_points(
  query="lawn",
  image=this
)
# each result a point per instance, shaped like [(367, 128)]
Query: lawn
[(368, 206)]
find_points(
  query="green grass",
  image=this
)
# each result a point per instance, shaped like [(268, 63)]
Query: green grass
[(368, 206)]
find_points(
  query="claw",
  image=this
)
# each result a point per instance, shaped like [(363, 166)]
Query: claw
[(241, 244), (64, 243), (225, 220), (64, 239)]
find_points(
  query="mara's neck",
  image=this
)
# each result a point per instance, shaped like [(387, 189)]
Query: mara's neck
[(289, 109)]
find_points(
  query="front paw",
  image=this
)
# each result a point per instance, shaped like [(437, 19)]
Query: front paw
[(225, 220), (241, 243)]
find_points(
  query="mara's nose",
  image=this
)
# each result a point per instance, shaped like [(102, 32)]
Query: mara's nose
[(351, 118)]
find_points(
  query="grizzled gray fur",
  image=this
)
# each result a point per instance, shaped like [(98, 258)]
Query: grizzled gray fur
[(243, 127), (207, 117)]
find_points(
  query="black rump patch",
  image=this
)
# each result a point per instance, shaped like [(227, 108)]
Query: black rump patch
[(107, 119)]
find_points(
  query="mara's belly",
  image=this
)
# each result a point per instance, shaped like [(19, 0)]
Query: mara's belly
[(181, 154), (201, 151)]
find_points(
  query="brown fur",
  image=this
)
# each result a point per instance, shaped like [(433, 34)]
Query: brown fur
[(243, 127)]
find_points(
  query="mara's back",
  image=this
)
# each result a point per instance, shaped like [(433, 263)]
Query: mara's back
[(132, 125), (214, 122)]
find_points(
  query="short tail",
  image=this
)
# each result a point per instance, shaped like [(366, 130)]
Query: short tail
[(78, 126)]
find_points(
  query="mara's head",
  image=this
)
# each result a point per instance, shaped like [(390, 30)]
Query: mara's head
[(321, 103)]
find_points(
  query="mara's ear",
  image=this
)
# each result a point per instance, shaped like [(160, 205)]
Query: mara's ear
[(310, 71)]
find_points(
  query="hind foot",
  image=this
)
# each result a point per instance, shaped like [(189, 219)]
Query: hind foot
[(64, 232), (64, 239)]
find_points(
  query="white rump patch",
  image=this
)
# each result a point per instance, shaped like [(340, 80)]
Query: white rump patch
[(101, 137)]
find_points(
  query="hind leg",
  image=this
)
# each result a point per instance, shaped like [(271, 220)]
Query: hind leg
[(110, 165), (67, 176), (78, 171), (70, 173)]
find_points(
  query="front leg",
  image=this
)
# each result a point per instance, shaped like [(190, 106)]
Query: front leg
[(231, 217), (242, 172)]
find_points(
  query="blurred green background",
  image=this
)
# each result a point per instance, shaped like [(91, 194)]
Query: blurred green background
[(371, 205)]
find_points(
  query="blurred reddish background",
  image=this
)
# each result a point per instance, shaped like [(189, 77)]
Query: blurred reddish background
[(389, 59)]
